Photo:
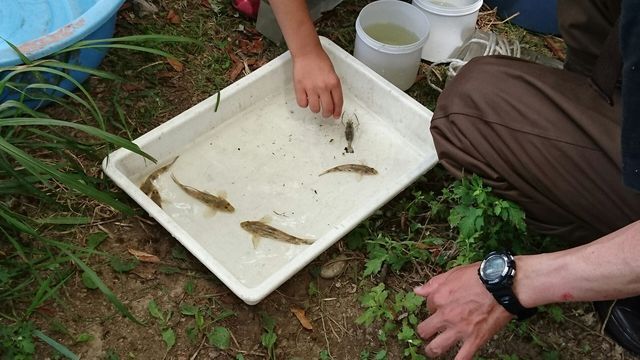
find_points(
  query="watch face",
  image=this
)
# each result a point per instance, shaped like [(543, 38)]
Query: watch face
[(493, 268)]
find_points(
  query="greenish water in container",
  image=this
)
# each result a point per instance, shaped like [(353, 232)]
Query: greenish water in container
[(444, 4), (391, 34)]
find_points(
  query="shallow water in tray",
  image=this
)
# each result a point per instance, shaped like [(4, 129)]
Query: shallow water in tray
[(267, 160)]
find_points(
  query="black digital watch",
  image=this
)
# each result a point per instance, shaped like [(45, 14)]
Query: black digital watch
[(496, 272)]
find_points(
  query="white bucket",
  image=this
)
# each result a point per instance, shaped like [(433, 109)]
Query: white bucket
[(396, 63), (452, 21)]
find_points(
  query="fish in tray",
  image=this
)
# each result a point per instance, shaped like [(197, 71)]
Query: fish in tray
[(349, 132), (354, 168), (260, 229), (149, 188), (214, 202)]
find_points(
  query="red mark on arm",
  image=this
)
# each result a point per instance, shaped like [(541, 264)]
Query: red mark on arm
[(566, 297)]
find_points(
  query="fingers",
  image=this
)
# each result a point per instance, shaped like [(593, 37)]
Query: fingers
[(314, 102), (327, 103), (430, 327), (338, 100), (301, 96), (467, 350), (442, 343)]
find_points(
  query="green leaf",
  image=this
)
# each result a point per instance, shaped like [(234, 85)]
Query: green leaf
[(381, 355), (364, 354), (219, 337), (188, 309), (556, 313), (469, 220), (225, 313), (121, 265), (88, 282), (189, 287), (239, 356), (412, 301), (56, 345), (154, 310), (324, 355), (406, 333), (199, 320), (112, 355), (179, 253), (95, 239), (84, 337), (192, 334), (268, 339), (105, 290), (374, 265), (313, 289), (169, 337), (268, 323)]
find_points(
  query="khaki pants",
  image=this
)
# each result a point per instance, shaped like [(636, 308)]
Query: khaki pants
[(542, 137)]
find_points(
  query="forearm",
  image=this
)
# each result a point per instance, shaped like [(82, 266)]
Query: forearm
[(297, 26), (608, 268)]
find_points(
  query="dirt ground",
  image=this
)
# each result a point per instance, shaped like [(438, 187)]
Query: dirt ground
[(154, 92)]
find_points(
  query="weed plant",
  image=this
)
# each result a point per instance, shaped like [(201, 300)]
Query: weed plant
[(43, 184)]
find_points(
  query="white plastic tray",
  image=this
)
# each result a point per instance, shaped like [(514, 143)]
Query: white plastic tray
[(266, 154)]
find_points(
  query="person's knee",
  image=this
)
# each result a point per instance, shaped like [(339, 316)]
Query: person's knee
[(478, 82)]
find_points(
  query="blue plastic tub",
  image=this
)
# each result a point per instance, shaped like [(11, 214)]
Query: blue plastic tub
[(535, 15), (41, 27)]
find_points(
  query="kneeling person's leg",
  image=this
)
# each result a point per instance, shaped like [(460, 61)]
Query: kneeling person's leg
[(540, 137)]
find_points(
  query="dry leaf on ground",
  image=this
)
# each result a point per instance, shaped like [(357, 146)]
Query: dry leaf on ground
[(173, 17), (175, 64), (299, 313), (144, 257)]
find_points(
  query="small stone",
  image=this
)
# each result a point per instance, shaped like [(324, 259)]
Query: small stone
[(143, 8), (334, 267)]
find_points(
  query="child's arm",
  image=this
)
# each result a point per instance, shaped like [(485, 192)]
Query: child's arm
[(315, 81)]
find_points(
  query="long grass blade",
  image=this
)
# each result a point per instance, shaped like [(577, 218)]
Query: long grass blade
[(56, 345), (64, 220), (68, 66), (108, 137), (103, 287), (36, 167), (122, 46), (22, 56), (140, 38), (35, 69), (45, 291), (19, 107)]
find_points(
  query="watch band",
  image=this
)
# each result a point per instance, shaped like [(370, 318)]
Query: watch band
[(501, 288), (505, 297)]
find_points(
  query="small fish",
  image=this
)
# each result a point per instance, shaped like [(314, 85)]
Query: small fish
[(149, 188), (260, 229), (155, 196), (355, 168), (349, 132), (212, 201)]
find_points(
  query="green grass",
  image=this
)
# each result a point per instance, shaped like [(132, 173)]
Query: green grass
[(40, 172)]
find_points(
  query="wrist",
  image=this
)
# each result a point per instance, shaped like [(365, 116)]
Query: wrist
[(523, 282), (311, 49), (537, 278)]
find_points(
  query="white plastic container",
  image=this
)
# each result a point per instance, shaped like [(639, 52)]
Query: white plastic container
[(396, 63), (452, 21), (266, 153)]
